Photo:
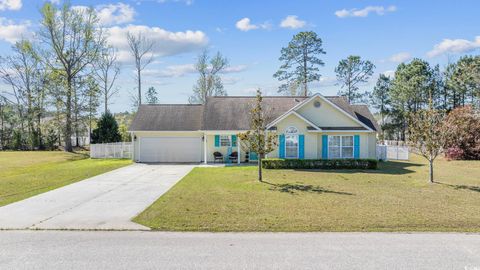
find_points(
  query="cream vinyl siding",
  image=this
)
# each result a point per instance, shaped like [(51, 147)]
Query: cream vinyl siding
[(326, 115), (310, 138)]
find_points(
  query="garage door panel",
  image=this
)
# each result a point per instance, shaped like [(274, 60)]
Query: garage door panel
[(170, 149)]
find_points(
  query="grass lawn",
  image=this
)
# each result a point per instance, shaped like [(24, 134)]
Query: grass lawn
[(25, 174), (397, 197)]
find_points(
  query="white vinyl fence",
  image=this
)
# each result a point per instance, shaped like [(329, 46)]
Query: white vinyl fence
[(111, 150), (386, 152)]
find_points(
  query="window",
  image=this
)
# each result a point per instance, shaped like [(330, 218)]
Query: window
[(225, 140), (340, 146), (291, 142)]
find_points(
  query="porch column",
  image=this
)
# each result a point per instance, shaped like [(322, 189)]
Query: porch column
[(204, 148), (238, 150)]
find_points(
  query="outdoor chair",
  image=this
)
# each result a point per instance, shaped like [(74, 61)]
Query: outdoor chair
[(217, 156), (233, 157)]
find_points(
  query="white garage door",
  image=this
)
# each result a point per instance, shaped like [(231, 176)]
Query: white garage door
[(170, 149)]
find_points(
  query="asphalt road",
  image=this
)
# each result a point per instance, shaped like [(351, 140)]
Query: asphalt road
[(161, 250)]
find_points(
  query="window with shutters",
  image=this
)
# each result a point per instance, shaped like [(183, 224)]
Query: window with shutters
[(340, 146)]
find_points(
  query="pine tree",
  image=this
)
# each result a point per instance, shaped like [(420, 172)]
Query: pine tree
[(107, 130), (300, 63), (351, 72), (152, 96)]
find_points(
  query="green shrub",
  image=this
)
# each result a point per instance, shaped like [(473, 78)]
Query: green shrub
[(365, 164)]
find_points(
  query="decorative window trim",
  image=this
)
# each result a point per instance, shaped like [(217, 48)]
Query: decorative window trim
[(225, 141), (291, 130), (341, 146)]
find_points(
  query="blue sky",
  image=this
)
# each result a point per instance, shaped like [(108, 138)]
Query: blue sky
[(251, 33)]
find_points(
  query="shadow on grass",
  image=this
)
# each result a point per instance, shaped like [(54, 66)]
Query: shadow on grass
[(459, 187), (78, 156), (295, 188), (388, 167)]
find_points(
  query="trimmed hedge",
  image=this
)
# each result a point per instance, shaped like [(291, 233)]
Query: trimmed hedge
[(277, 163)]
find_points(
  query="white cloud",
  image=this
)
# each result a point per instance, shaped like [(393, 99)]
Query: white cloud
[(235, 69), (292, 21), (171, 71), (112, 14), (364, 12), (10, 4), (186, 69), (400, 57), (115, 13), (389, 73), (166, 43), (12, 32), (230, 80), (245, 25), (187, 2), (455, 46)]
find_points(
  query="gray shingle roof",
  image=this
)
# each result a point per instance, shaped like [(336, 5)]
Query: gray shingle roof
[(168, 117), (228, 113), (233, 113), (363, 114)]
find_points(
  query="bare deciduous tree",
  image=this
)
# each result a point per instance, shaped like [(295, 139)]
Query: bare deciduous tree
[(74, 42), (25, 73), (107, 71), (141, 49), (209, 83), (426, 134), (258, 139)]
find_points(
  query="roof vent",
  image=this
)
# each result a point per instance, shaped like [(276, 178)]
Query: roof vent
[(296, 100), (317, 104)]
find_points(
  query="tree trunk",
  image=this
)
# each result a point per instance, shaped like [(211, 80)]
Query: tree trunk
[(260, 176), (106, 98), (431, 171), (305, 88), (139, 87), (40, 140), (68, 118)]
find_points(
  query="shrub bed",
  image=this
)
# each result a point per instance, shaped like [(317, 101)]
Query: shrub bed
[(329, 164)]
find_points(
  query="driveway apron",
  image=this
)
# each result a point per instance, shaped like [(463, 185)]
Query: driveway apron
[(106, 201)]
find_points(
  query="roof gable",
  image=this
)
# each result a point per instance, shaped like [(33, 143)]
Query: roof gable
[(233, 113), (328, 115), (339, 104)]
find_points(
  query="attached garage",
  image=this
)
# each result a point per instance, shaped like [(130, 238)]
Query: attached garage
[(170, 149)]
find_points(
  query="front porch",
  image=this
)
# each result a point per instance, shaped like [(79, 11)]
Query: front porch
[(224, 147)]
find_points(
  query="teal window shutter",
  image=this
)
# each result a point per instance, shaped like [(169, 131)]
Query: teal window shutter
[(253, 156), (301, 146), (324, 146), (356, 146), (234, 140), (217, 140), (281, 147)]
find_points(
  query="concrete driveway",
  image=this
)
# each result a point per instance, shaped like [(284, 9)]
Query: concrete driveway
[(107, 201)]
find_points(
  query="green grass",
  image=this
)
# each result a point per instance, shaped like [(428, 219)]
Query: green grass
[(25, 174), (397, 197)]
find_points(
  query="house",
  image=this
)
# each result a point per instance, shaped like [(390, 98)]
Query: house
[(315, 127)]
